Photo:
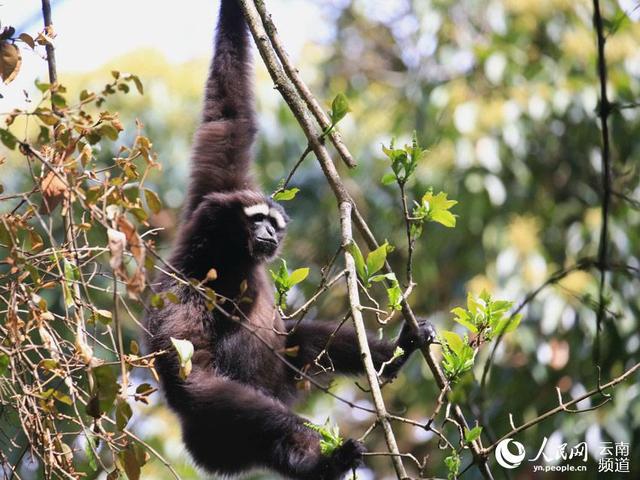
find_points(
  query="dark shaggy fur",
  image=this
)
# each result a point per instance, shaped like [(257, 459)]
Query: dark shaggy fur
[(234, 406)]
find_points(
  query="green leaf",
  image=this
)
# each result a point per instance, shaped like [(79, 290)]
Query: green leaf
[(508, 324), (397, 353), (376, 259), (8, 139), (153, 201), (172, 297), (471, 435), (463, 318), (184, 348), (454, 342), (298, 276), (388, 179), (71, 275), (358, 259), (286, 195), (123, 413), (106, 387), (339, 108), (394, 295), (391, 277), (109, 131), (472, 304), (444, 218), (89, 450), (104, 316), (4, 364), (157, 301), (330, 438)]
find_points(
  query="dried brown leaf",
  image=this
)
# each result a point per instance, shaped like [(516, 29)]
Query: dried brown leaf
[(53, 191), (10, 61)]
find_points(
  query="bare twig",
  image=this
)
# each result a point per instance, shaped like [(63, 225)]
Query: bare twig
[(563, 407)]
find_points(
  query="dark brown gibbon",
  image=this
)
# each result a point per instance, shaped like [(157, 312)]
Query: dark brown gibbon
[(234, 406)]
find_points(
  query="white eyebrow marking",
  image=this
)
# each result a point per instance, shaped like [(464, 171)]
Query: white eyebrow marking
[(277, 216), (257, 209)]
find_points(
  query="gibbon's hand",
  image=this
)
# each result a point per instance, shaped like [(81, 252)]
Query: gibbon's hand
[(410, 341)]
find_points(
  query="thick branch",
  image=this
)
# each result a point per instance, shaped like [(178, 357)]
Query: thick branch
[(363, 344)]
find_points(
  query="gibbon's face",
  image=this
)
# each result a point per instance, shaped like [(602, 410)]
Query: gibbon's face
[(267, 225)]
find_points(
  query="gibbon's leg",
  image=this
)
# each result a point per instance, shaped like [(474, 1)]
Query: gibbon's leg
[(343, 352), (229, 427)]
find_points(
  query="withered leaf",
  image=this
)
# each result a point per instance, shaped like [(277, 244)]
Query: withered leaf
[(10, 61), (53, 191)]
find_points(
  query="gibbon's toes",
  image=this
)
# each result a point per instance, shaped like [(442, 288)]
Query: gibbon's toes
[(348, 456)]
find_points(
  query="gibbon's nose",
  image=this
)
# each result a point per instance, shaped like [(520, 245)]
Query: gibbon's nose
[(265, 232)]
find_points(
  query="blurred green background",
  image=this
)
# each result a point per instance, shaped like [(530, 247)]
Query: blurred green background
[(504, 93)]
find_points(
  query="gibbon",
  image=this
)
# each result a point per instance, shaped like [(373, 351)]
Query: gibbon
[(234, 406)]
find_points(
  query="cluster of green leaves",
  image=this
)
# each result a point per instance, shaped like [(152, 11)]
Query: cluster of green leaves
[(403, 161), (453, 462), (285, 281), (485, 319), (330, 438), (368, 271), (432, 208), (457, 354)]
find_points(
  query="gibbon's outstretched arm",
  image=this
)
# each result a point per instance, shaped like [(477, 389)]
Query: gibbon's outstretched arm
[(221, 152), (342, 347)]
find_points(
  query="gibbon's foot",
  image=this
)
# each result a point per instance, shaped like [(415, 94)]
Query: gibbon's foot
[(409, 341), (344, 459)]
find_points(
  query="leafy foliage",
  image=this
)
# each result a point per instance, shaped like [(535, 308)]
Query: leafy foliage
[(285, 281), (330, 438)]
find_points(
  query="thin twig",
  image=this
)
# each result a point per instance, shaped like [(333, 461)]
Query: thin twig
[(563, 407)]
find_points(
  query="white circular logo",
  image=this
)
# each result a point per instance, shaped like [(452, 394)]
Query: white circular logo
[(507, 459)]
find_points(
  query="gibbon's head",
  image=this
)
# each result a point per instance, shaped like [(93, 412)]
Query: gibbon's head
[(267, 223)]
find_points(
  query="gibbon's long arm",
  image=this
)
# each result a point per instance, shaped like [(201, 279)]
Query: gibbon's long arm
[(221, 154), (343, 353)]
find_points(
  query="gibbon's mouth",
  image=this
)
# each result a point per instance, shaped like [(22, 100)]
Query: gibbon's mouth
[(268, 240), (266, 246)]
